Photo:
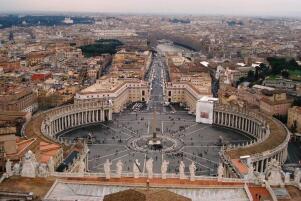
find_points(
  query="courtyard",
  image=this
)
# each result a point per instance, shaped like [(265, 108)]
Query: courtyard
[(199, 142)]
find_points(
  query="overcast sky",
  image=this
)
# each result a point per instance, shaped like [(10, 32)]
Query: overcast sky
[(229, 7)]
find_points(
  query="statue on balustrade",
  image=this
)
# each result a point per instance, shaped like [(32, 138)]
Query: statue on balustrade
[(107, 168), (192, 169), (136, 169), (251, 174), (287, 178), (220, 171), (42, 170), (164, 168), (274, 173), (182, 170), (81, 167), (149, 168), (8, 167), (16, 169), (29, 165), (119, 166), (50, 165), (297, 175)]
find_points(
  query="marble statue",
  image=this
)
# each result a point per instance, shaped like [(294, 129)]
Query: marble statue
[(81, 167), (42, 170), (228, 77), (107, 168), (297, 175), (182, 170), (50, 165), (29, 165), (149, 168), (220, 171), (119, 166), (287, 178), (8, 167), (274, 173), (192, 169), (16, 169), (164, 168), (110, 102), (136, 169), (251, 174), (261, 177)]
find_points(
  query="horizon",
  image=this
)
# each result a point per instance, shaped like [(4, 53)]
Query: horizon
[(89, 13), (255, 8)]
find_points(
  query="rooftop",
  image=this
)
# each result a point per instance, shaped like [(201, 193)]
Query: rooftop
[(276, 138), (108, 85)]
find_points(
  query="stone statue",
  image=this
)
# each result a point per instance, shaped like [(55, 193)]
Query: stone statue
[(136, 169), (297, 175), (110, 102), (192, 169), (164, 168), (8, 167), (287, 178), (42, 170), (227, 74), (16, 169), (119, 166), (50, 165), (182, 170), (107, 168), (261, 177), (273, 173), (81, 167), (29, 165), (149, 168), (220, 171), (251, 174)]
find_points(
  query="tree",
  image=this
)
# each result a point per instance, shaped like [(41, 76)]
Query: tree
[(251, 76), (285, 74)]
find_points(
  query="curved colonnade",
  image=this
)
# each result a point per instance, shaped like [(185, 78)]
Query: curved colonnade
[(46, 125), (271, 137)]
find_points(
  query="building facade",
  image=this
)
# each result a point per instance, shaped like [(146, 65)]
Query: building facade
[(188, 90), (119, 91), (275, 103), (294, 119), (20, 99)]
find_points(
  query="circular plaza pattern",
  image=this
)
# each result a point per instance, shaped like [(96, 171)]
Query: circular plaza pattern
[(125, 138), (168, 144)]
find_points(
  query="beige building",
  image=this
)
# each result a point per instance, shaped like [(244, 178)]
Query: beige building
[(131, 64), (18, 99), (188, 90), (275, 103), (120, 91), (294, 118)]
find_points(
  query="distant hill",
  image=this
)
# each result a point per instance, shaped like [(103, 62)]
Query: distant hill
[(29, 20)]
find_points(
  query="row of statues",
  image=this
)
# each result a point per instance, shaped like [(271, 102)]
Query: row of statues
[(29, 167), (149, 169)]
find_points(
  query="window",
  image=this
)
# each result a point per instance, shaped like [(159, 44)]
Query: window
[(169, 93), (143, 93)]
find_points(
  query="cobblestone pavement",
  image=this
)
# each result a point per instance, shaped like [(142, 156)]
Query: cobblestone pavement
[(201, 142)]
